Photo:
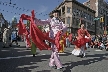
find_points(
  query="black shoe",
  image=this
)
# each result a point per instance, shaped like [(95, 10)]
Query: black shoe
[(33, 55), (62, 69), (82, 56), (79, 55), (10, 45), (18, 45)]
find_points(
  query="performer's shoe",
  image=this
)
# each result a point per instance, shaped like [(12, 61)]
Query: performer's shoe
[(79, 55), (107, 49), (82, 56), (61, 69), (18, 45), (10, 45), (33, 55)]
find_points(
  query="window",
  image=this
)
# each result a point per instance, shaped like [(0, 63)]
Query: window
[(82, 14), (73, 20), (68, 9), (68, 20), (63, 9), (77, 12), (77, 21)]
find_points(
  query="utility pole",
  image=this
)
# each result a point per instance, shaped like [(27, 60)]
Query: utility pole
[(95, 27), (96, 19)]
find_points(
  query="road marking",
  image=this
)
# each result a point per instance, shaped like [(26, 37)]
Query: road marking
[(23, 50), (5, 50), (16, 57), (20, 57), (98, 50), (43, 54), (61, 53)]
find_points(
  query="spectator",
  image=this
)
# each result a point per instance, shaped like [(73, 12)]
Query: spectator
[(14, 38)]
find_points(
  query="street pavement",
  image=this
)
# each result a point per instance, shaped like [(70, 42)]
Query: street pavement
[(18, 59)]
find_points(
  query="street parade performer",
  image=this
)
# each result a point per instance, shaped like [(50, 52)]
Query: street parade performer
[(57, 29), (81, 41)]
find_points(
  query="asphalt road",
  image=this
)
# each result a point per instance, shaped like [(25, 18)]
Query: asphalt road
[(18, 59)]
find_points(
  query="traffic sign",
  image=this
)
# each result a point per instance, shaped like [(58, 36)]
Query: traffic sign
[(96, 18)]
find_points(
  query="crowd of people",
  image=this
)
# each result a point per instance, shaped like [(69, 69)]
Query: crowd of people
[(8, 37), (99, 41)]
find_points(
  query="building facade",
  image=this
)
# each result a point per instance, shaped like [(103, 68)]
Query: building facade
[(101, 8), (3, 23), (73, 13)]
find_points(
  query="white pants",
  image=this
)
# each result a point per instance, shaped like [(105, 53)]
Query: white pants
[(78, 52)]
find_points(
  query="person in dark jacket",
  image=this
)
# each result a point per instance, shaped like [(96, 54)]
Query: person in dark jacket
[(14, 38)]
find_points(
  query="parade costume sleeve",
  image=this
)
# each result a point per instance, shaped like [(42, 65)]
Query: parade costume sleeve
[(87, 34), (23, 31), (36, 34), (37, 38)]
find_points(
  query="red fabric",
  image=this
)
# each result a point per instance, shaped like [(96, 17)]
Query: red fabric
[(21, 27), (46, 33), (64, 41), (57, 40), (70, 37), (80, 42), (36, 34), (23, 31)]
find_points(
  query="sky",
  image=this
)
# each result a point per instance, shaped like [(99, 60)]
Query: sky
[(42, 7)]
